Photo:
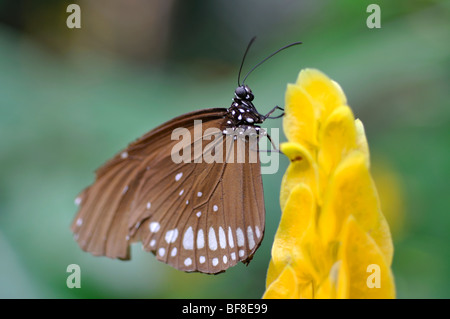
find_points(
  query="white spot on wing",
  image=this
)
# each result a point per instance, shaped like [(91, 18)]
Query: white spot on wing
[(79, 221), (154, 227), (251, 240), (188, 239), (149, 205), (178, 176), (202, 259), (161, 251), (181, 192), (241, 253), (222, 238), (188, 261), (77, 201), (173, 252), (215, 261), (225, 259), (233, 256), (258, 232), (171, 235), (230, 237), (212, 241), (199, 194), (124, 155), (240, 237), (215, 208), (199, 214), (200, 239)]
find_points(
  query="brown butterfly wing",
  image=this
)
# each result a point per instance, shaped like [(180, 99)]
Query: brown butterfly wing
[(194, 216)]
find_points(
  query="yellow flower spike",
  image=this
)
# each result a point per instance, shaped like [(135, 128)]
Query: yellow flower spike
[(300, 125), (284, 287), (361, 140), (326, 94), (338, 138), (351, 191), (301, 170), (328, 288), (364, 272), (286, 247), (311, 260), (332, 228), (272, 273)]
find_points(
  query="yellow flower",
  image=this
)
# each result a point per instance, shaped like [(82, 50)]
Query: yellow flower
[(333, 240)]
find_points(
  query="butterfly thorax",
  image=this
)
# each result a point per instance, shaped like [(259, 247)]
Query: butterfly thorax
[(242, 111)]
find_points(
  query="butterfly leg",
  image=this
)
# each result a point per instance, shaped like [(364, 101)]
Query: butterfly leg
[(267, 116), (275, 149), (273, 145)]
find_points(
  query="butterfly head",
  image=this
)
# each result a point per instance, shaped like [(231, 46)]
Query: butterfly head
[(243, 92), (242, 111)]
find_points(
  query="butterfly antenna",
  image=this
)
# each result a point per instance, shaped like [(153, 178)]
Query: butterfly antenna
[(265, 59), (243, 59)]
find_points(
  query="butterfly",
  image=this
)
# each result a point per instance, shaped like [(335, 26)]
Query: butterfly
[(190, 190)]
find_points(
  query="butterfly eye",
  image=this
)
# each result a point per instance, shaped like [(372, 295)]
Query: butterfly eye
[(240, 92), (249, 95)]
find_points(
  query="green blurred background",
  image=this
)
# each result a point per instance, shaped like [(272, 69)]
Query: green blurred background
[(71, 98)]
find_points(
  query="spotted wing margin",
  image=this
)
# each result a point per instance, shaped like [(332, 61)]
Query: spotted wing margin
[(193, 216), (101, 224), (209, 217)]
